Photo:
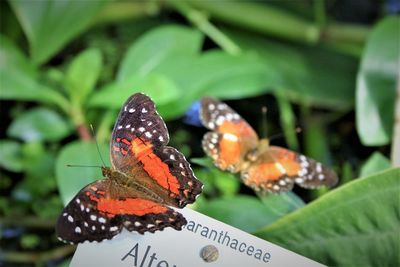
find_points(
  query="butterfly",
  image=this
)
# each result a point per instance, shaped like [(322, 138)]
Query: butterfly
[(235, 147), (146, 177)]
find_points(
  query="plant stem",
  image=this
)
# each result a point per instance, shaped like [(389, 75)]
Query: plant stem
[(319, 12), (103, 130), (287, 119), (123, 10), (275, 22), (200, 20), (261, 18), (396, 129)]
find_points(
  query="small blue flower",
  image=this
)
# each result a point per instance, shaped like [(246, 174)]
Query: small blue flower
[(392, 6), (192, 116)]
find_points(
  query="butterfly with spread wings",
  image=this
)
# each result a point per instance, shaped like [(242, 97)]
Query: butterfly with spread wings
[(235, 147), (146, 177)]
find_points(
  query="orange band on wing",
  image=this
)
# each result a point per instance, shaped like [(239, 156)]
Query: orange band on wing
[(230, 152), (230, 148), (272, 172), (133, 206), (153, 165)]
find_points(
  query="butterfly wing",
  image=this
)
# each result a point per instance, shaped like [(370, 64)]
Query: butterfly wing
[(231, 137), (277, 169), (101, 209), (138, 149)]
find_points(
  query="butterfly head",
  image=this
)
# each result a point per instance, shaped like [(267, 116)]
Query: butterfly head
[(107, 172)]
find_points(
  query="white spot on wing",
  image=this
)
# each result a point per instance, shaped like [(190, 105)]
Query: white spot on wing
[(318, 167), (70, 218), (78, 230), (144, 110), (280, 167), (231, 137)]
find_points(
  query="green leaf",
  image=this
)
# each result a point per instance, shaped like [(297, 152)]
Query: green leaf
[(159, 87), (355, 225), (39, 124), (287, 120), (18, 78), (157, 46), (243, 212), (215, 73), (82, 75), (226, 183), (49, 25), (281, 204), (12, 57), (375, 163), (376, 83), (308, 75), (72, 179), (10, 156)]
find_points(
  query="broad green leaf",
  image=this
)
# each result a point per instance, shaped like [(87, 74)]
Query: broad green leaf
[(12, 57), (10, 156), (72, 179), (18, 78), (39, 124), (38, 162), (215, 73), (243, 212), (158, 46), (375, 163), (50, 25), (308, 75), (159, 87), (354, 225), (376, 83), (82, 75), (282, 203)]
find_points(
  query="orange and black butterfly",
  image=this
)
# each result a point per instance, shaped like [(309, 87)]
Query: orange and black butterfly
[(235, 147), (146, 177)]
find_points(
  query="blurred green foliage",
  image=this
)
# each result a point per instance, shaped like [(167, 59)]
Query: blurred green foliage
[(67, 64)]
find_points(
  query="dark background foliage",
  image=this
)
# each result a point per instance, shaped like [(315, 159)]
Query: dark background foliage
[(326, 66)]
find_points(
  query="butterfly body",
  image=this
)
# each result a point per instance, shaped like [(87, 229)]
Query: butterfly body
[(146, 177), (235, 147)]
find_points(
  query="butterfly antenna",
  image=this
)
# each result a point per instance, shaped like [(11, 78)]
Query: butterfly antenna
[(97, 144), (280, 135), (264, 126)]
